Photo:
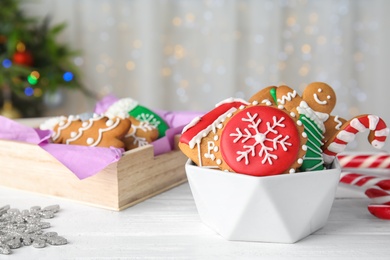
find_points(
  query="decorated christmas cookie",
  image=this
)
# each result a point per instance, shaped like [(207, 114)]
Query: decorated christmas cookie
[(99, 131), (262, 140), (199, 138), (278, 131), (131, 107), (320, 97), (141, 133), (265, 96), (289, 99), (246, 138), (146, 115), (338, 131)]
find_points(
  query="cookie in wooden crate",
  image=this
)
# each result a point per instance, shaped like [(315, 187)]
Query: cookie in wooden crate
[(97, 131), (140, 134), (133, 108)]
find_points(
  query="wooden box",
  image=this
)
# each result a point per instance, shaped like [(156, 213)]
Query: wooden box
[(138, 175)]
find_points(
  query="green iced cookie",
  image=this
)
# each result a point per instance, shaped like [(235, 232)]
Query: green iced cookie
[(146, 115), (313, 159)]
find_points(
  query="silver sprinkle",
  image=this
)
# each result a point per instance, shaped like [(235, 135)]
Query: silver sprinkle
[(4, 249), (39, 243), (27, 240), (35, 208), (57, 240), (54, 208), (14, 243), (44, 224), (13, 211), (51, 234), (4, 209), (47, 214), (24, 228)]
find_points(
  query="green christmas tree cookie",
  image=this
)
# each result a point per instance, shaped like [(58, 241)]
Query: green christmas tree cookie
[(129, 106), (146, 115), (314, 129)]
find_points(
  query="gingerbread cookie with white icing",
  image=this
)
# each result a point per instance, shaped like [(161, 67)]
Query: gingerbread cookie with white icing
[(199, 138), (251, 139), (266, 96), (98, 131), (140, 134), (288, 99), (130, 107), (338, 131), (263, 140), (322, 99)]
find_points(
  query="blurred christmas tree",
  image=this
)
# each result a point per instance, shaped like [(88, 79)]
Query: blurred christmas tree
[(32, 63)]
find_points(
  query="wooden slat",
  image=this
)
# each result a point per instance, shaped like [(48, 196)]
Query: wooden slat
[(137, 176)]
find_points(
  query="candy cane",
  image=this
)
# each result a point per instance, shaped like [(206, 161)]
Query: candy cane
[(365, 181), (380, 211), (378, 196), (380, 206), (379, 161), (378, 192), (377, 136)]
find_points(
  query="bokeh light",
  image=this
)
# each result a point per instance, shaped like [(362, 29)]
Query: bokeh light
[(29, 91), (68, 76), (7, 63)]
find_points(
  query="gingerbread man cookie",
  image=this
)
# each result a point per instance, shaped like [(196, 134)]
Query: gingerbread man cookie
[(338, 131), (322, 99)]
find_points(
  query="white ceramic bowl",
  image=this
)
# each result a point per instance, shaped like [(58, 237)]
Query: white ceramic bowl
[(281, 208)]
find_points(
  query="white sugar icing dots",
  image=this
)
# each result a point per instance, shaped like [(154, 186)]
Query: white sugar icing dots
[(90, 141)]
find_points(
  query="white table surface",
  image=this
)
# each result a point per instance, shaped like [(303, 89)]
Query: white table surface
[(167, 226)]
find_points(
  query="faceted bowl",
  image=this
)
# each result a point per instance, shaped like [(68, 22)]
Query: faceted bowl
[(282, 208)]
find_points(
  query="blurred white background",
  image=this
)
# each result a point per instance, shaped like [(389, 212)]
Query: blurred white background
[(189, 55)]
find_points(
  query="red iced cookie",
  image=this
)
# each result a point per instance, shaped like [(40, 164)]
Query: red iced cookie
[(261, 140)]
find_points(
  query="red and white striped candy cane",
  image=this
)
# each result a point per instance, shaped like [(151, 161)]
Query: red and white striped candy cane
[(365, 161), (365, 181), (347, 133), (380, 203), (378, 190), (381, 211), (378, 196)]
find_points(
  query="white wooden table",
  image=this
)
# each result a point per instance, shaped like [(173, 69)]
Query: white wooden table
[(168, 227)]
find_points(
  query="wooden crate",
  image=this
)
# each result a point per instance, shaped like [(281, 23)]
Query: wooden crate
[(138, 175)]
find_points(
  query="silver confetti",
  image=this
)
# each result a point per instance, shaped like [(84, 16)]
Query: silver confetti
[(4, 249), (53, 208), (39, 243), (24, 228)]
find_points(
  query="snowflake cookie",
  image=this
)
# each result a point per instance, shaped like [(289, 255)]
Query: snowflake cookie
[(253, 139)]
